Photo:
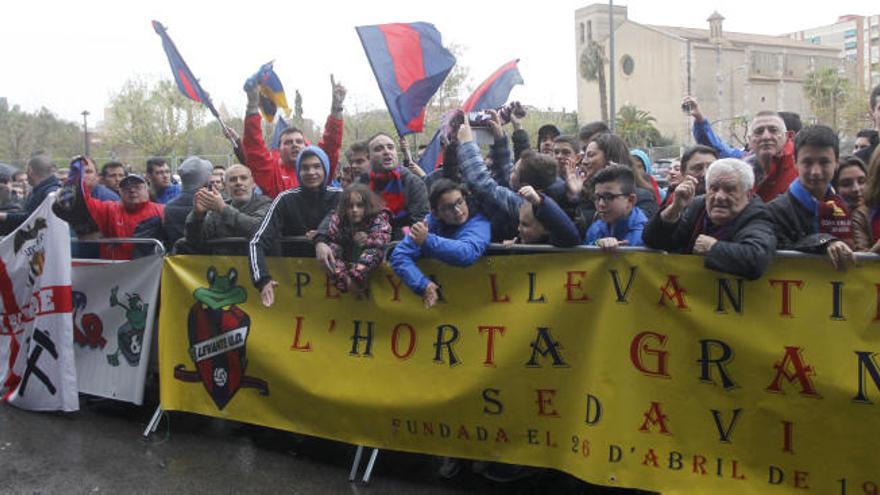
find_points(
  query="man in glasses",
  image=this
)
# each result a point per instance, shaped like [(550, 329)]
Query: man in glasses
[(620, 221), (449, 233)]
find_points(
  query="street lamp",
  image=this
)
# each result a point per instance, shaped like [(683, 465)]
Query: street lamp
[(85, 114)]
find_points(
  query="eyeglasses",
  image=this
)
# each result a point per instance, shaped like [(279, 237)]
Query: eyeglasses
[(450, 208), (608, 197)]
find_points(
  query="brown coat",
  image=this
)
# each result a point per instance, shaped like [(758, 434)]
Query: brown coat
[(863, 236)]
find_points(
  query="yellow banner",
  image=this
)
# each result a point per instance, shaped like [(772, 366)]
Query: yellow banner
[(637, 370)]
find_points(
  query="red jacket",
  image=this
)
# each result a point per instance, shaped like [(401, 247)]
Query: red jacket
[(270, 173), (115, 221), (775, 180)]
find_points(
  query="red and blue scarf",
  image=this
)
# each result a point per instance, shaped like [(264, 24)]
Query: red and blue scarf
[(831, 216), (388, 184)]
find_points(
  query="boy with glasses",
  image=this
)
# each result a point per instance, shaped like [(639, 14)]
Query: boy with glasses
[(450, 233), (619, 221)]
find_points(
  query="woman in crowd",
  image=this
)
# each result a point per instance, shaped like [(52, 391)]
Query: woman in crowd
[(849, 181), (866, 218)]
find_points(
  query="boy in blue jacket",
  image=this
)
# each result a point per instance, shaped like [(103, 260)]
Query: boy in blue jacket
[(449, 233), (620, 222)]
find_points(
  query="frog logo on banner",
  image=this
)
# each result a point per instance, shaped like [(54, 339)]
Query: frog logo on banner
[(130, 336), (218, 331)]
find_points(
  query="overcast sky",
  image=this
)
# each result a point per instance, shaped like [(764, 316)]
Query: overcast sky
[(72, 56)]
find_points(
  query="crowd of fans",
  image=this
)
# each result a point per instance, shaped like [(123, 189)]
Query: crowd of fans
[(790, 189)]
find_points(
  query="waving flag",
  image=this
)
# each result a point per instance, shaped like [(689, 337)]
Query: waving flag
[(272, 95), (186, 81), (492, 93), (410, 64), (190, 87)]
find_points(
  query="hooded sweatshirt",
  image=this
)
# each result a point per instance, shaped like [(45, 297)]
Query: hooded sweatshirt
[(293, 213), (270, 173)]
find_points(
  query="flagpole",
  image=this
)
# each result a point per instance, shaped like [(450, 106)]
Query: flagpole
[(204, 96)]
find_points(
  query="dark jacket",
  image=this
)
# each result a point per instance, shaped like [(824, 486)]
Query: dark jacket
[(796, 227), (41, 190), (242, 220), (416, 205), (176, 211), (747, 254), (293, 213), (520, 140), (561, 229)]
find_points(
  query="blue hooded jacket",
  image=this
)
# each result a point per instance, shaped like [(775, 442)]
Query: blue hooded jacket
[(625, 229), (460, 245), (313, 151)]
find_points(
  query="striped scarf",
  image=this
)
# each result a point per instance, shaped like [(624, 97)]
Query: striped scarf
[(390, 187)]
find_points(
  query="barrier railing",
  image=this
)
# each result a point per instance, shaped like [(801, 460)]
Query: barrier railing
[(158, 247), (500, 249)]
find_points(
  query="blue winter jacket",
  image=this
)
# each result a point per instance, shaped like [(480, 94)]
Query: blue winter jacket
[(502, 201), (626, 229), (704, 135), (167, 194), (458, 246)]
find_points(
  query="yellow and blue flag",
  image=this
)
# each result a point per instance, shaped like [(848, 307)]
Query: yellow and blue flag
[(272, 95)]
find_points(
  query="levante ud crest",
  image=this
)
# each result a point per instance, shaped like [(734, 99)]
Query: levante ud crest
[(218, 331)]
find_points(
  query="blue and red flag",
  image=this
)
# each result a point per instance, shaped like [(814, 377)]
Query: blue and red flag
[(272, 95), (410, 63), (186, 81), (492, 93), (190, 87)]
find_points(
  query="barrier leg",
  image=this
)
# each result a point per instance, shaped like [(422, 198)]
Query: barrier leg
[(370, 465), (154, 422), (356, 463)]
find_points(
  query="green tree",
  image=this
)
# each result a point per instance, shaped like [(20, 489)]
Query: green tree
[(592, 68), (827, 92), (636, 127), (23, 133), (153, 119)]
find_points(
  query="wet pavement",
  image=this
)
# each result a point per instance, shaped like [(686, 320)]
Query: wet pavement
[(100, 449)]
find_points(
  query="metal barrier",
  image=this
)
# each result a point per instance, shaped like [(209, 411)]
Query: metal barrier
[(158, 247), (501, 249)]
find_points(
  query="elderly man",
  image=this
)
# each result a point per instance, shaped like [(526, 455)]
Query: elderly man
[(403, 193), (132, 216), (213, 217), (450, 234), (773, 158), (41, 176), (728, 226)]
